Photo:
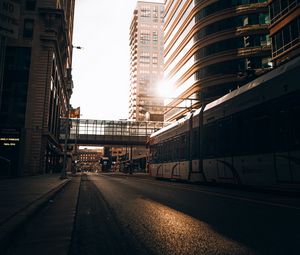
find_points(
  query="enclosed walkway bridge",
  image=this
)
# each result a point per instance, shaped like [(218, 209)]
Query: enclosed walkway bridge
[(107, 132)]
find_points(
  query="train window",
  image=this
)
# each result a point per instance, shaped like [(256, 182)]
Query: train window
[(224, 140), (169, 151), (261, 132), (243, 133), (183, 150), (178, 148), (163, 151), (173, 146), (209, 140), (281, 129), (195, 144), (160, 152), (295, 125)]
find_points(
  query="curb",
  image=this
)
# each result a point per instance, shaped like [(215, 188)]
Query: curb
[(16, 221)]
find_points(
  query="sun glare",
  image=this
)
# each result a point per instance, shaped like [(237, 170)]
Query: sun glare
[(164, 89)]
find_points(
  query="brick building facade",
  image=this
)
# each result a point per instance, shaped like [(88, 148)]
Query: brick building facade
[(37, 86)]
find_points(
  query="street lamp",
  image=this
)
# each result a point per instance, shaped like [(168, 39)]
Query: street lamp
[(76, 137), (201, 133), (77, 47), (67, 127)]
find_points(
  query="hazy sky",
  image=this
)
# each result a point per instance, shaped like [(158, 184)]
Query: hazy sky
[(101, 69)]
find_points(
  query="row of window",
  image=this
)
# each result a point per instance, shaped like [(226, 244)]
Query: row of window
[(233, 22), (221, 5), (287, 37), (236, 2), (145, 9), (147, 64), (15, 86), (170, 150), (279, 8), (147, 13), (145, 37), (239, 21), (268, 128), (28, 28), (233, 66), (272, 127), (233, 43)]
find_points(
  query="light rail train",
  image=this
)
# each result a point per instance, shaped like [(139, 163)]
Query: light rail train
[(250, 136)]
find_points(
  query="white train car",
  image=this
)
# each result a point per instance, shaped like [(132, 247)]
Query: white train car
[(250, 136), (168, 151)]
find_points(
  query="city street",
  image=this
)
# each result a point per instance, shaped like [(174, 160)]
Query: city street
[(156, 127), (129, 214)]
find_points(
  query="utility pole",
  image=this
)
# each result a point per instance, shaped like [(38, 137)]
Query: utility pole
[(201, 154), (76, 151), (2, 60), (67, 126), (63, 174)]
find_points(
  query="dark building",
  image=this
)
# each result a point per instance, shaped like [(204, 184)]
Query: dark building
[(37, 86), (285, 29)]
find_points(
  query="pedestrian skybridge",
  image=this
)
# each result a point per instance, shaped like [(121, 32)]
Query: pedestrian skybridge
[(107, 132)]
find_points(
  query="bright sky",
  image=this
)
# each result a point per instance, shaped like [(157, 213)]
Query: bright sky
[(101, 69)]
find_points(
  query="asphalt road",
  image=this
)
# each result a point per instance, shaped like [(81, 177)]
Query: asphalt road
[(123, 214), (145, 216)]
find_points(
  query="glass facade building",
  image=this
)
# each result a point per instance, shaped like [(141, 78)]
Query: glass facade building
[(285, 29), (212, 47)]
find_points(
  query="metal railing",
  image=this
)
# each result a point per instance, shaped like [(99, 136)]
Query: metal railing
[(290, 5), (285, 47), (108, 130)]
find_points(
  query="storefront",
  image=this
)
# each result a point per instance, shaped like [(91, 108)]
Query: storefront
[(9, 152)]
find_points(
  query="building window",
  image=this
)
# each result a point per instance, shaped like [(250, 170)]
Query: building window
[(222, 5), (233, 22), (287, 37), (14, 97), (145, 12), (28, 28), (154, 59), (145, 57), (145, 36), (30, 5), (155, 37), (278, 8)]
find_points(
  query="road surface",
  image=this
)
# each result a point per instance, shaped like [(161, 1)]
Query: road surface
[(123, 214)]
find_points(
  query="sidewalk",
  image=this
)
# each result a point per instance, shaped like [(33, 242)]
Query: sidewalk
[(21, 197)]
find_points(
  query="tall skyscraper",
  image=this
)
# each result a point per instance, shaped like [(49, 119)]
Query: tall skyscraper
[(146, 61), (212, 47), (285, 29), (37, 86)]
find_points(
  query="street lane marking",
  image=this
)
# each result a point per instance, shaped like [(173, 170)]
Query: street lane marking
[(220, 194)]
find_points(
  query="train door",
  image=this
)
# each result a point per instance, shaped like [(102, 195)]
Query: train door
[(287, 143), (225, 166), (283, 171), (295, 141)]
